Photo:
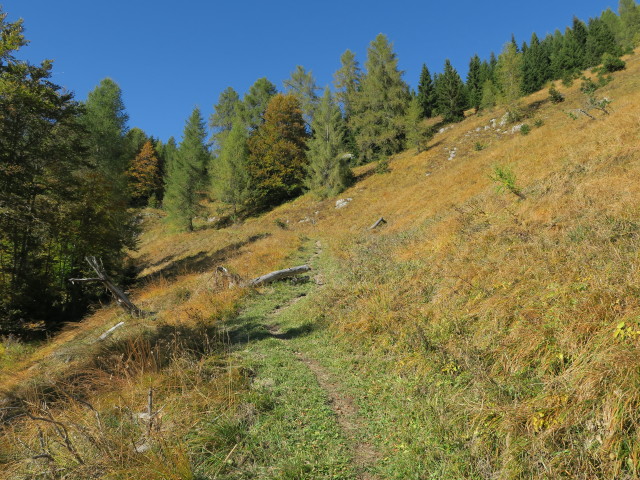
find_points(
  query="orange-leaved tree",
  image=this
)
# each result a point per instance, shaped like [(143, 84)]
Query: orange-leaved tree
[(144, 174)]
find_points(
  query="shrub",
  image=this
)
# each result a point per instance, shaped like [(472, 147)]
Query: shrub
[(611, 63), (538, 123), (554, 95), (505, 180), (525, 129), (479, 146)]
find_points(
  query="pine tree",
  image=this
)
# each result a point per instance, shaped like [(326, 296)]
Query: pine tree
[(303, 86), (277, 153), (450, 94), (509, 76), (347, 82), (474, 83), (255, 103), (426, 94), (231, 180), (186, 174), (328, 172), (378, 117), (224, 113), (144, 174)]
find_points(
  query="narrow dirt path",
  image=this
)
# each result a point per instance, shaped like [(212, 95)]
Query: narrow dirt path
[(344, 406)]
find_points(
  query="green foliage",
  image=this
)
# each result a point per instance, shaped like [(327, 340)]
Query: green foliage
[(535, 66), (347, 82), (490, 94), (426, 94), (505, 180), (601, 40), (277, 161), (380, 106), (611, 63), (478, 146), (222, 118), (554, 95), (302, 85), (450, 94), (186, 174), (418, 134), (328, 171), (474, 83), (629, 12), (509, 76), (382, 166), (538, 122), (525, 129), (255, 103), (230, 180)]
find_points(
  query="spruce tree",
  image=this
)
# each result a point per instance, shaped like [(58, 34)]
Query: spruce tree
[(277, 160), (474, 83), (328, 172), (224, 113), (601, 40), (186, 174), (230, 184), (378, 117), (347, 82), (426, 93), (580, 34), (450, 94), (535, 66)]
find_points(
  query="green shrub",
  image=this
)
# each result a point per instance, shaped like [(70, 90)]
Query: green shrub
[(611, 63), (479, 146), (505, 180), (538, 123), (525, 129), (554, 95)]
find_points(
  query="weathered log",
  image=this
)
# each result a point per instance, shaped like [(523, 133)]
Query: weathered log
[(278, 275), (120, 296), (109, 332), (380, 221)]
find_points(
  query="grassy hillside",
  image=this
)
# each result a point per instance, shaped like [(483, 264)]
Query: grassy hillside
[(474, 335)]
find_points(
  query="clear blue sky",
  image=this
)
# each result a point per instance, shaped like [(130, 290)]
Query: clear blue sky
[(170, 56)]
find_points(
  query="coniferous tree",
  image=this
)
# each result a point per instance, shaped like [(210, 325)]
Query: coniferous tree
[(186, 174), (378, 118), (580, 34), (600, 40), (277, 159), (490, 94), (535, 66), (615, 25), (255, 101), (474, 83), (303, 86), (347, 82), (231, 180), (222, 118), (426, 94), (509, 76), (450, 94), (144, 174), (629, 12), (417, 133), (328, 171)]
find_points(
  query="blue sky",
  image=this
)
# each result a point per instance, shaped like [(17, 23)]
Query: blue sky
[(170, 56)]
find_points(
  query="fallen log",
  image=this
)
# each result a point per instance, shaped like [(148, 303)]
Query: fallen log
[(109, 332), (380, 221), (278, 275), (120, 296)]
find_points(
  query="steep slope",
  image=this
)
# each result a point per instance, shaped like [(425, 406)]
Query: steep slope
[(479, 335)]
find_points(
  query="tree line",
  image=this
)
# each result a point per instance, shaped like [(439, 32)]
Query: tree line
[(73, 175)]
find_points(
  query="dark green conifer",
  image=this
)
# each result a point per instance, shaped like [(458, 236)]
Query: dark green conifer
[(474, 83), (450, 94), (426, 93)]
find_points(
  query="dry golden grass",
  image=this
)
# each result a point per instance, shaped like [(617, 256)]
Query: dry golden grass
[(518, 302)]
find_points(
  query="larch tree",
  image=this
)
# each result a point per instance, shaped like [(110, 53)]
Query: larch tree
[(417, 133), (378, 115), (509, 76), (629, 12), (230, 184), (426, 93), (347, 82), (450, 94), (144, 174), (328, 171), (222, 119), (186, 174), (302, 85), (277, 161)]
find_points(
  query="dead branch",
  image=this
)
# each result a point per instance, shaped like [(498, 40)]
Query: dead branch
[(278, 275), (380, 221), (109, 332)]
